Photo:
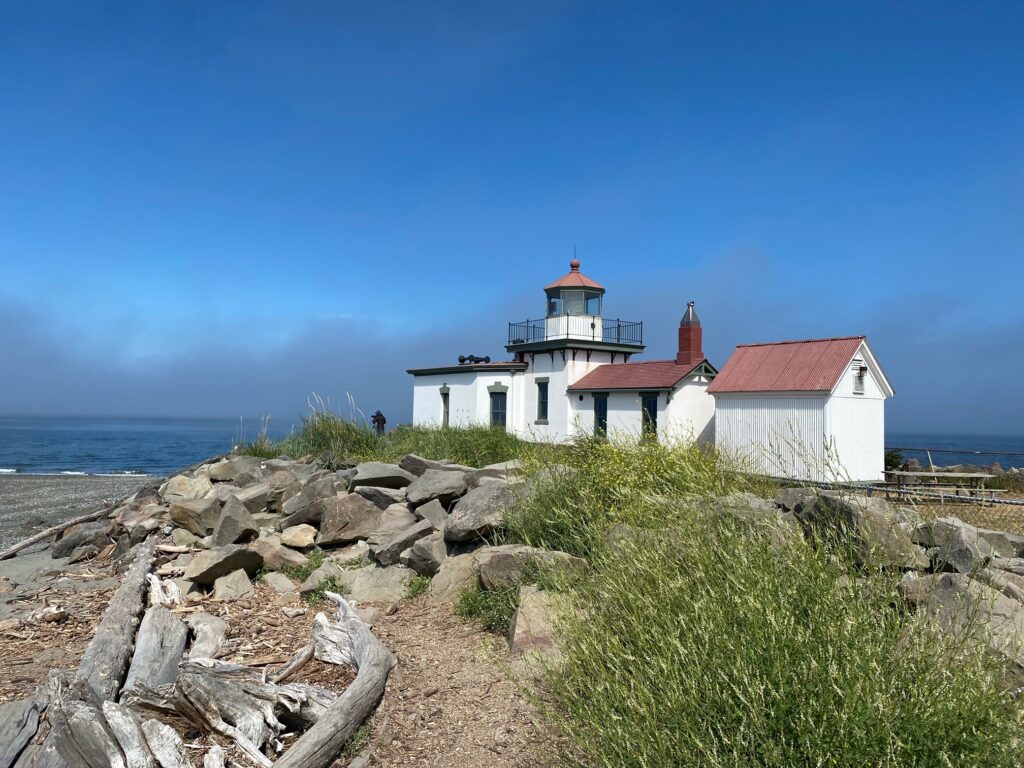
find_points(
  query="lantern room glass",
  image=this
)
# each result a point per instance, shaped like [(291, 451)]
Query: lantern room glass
[(574, 303)]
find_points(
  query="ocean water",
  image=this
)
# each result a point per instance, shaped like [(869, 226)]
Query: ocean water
[(977, 450), (109, 446)]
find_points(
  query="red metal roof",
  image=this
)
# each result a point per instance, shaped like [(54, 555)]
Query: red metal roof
[(574, 279), (652, 374), (812, 365)]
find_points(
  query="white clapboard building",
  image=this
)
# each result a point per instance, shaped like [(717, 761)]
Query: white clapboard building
[(571, 373), (808, 410)]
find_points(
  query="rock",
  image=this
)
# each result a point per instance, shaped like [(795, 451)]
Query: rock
[(381, 475), (83, 552), (1010, 564), (347, 518), (506, 470), (185, 487), (387, 544), (299, 536), (455, 576), (369, 615), (83, 534), (747, 507), (209, 565), (279, 583), (256, 498), (396, 516), (354, 556), (478, 513), (443, 485), (304, 507), (532, 632), (292, 613), (955, 544), (195, 515), (241, 470), (955, 602), (435, 512), (182, 538), (377, 585), (277, 556), (505, 566), (142, 531), (796, 500), (235, 524), (316, 579), (1010, 584), (221, 491), (876, 533), (417, 465), (426, 555), (382, 497), (1003, 544), (234, 586)]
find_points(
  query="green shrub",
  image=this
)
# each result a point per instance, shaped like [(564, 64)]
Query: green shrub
[(417, 586), (714, 645), (492, 609), (313, 561)]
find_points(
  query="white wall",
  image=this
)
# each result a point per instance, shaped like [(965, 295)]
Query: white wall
[(774, 434), (856, 424), (690, 414), (469, 401)]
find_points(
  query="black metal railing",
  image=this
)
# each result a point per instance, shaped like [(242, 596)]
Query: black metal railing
[(576, 327)]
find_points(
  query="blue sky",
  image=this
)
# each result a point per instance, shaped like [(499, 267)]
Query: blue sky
[(218, 209)]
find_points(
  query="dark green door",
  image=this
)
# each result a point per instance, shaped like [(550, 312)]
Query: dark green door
[(600, 415), (499, 401)]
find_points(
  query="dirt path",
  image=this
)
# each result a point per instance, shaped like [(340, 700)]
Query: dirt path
[(450, 702)]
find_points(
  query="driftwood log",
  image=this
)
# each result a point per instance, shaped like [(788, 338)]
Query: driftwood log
[(49, 533), (350, 639), (158, 649), (19, 721)]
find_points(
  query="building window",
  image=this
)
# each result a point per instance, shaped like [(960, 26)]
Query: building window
[(554, 306), (593, 303), (542, 401), (444, 410), (649, 413), (860, 372), (499, 402), (600, 415)]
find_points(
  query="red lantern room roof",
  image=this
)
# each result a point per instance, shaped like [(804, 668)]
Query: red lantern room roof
[(575, 279)]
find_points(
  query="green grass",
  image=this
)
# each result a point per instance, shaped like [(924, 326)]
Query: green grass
[(357, 741), (417, 586), (335, 441), (313, 561), (701, 640), (492, 609)]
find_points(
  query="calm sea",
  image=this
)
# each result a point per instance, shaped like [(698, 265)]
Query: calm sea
[(95, 446)]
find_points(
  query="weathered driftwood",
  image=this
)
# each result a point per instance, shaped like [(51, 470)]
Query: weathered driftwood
[(19, 721), (127, 731), (82, 736), (50, 532), (293, 665), (349, 638), (209, 633), (106, 657), (163, 592), (158, 649), (165, 745), (214, 758)]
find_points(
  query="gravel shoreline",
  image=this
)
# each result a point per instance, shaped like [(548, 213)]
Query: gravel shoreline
[(30, 503)]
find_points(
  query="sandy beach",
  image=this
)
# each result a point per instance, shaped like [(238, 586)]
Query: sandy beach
[(30, 503)]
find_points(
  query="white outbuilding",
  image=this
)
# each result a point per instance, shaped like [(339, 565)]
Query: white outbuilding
[(805, 410)]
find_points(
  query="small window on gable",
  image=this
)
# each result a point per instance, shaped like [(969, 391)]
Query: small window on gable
[(860, 372)]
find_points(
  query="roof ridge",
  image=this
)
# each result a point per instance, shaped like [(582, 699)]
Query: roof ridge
[(802, 341)]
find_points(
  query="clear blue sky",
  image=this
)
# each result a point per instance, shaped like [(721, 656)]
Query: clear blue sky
[(219, 208)]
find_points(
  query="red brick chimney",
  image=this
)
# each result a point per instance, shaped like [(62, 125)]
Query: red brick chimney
[(691, 351)]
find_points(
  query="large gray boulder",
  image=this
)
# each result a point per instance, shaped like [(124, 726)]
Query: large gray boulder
[(955, 545), (209, 565), (479, 512), (444, 486), (185, 487), (417, 465), (299, 536), (276, 555), (388, 544), (381, 475), (796, 500), (240, 470), (532, 633), (435, 512), (233, 586), (82, 535), (382, 497), (256, 498), (507, 565), (195, 515), (505, 470), (347, 518), (877, 534), (455, 576), (353, 556), (306, 507), (235, 524), (426, 555), (377, 585)]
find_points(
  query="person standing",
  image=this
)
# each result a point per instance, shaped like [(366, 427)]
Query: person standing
[(378, 422)]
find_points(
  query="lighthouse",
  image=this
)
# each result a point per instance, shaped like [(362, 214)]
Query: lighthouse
[(571, 372)]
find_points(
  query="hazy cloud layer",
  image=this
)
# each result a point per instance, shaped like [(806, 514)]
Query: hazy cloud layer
[(950, 375)]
